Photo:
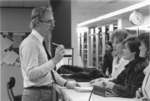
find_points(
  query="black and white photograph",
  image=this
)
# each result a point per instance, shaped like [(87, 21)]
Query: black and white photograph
[(74, 50)]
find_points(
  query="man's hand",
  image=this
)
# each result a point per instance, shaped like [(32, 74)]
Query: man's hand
[(59, 54), (71, 84)]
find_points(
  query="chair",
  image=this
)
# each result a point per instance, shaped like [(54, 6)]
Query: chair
[(10, 92)]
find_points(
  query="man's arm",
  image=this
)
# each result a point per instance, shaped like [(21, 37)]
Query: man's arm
[(63, 82), (30, 58)]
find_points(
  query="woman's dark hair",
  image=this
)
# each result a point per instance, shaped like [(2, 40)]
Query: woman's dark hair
[(133, 44), (145, 38)]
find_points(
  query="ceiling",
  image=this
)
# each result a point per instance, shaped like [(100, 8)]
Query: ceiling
[(23, 3), (144, 11), (82, 10), (87, 3), (89, 9)]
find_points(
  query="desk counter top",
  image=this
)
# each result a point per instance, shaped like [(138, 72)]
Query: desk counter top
[(74, 95)]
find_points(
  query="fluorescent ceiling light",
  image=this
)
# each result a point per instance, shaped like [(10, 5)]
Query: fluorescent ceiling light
[(115, 13)]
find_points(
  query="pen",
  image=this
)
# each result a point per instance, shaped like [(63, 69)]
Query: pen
[(55, 44)]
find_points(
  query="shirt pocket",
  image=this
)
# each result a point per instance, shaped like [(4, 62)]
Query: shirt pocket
[(42, 57)]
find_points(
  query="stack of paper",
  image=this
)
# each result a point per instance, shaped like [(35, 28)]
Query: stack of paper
[(84, 84)]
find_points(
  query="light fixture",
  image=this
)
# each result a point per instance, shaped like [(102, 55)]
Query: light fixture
[(136, 18)]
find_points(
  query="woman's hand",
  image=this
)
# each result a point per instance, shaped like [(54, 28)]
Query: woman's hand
[(139, 93), (109, 85), (143, 99), (95, 80), (99, 80)]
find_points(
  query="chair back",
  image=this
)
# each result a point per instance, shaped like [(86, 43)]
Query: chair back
[(10, 85)]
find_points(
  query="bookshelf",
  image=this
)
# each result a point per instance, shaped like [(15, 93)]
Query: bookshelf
[(92, 44)]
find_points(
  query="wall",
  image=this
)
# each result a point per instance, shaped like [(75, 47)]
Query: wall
[(62, 15), (146, 21), (6, 72), (13, 20)]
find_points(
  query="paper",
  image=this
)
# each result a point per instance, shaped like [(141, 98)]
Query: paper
[(100, 98), (85, 84), (83, 89), (64, 61)]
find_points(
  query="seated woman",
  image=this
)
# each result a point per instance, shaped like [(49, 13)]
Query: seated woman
[(131, 78), (118, 63), (144, 92)]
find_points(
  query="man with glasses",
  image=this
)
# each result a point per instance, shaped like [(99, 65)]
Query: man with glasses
[(36, 62)]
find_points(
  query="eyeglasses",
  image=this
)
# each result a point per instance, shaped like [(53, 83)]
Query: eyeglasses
[(47, 21)]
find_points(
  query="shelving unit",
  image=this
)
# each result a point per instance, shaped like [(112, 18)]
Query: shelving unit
[(92, 44)]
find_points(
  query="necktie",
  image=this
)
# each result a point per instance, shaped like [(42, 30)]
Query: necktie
[(49, 57)]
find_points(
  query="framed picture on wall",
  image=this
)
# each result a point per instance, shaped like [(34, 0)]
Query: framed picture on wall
[(10, 46)]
